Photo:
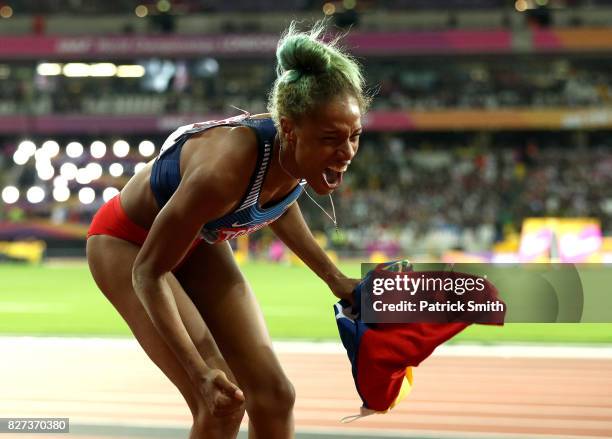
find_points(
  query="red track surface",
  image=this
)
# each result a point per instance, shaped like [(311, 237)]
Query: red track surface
[(521, 397)]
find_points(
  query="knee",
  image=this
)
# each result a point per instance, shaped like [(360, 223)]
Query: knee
[(204, 420), (277, 398)]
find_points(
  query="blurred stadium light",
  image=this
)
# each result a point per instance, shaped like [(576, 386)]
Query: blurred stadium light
[(121, 148), (146, 148), (97, 149), (74, 150), (10, 194)]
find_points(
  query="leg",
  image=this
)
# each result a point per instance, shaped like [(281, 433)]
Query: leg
[(110, 261), (217, 288)]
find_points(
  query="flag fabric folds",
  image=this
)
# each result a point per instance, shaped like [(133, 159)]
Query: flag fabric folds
[(382, 355)]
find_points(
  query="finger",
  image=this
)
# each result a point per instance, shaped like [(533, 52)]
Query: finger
[(222, 400), (227, 401), (239, 395), (228, 387)]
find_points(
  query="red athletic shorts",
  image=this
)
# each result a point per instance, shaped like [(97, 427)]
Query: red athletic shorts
[(112, 220)]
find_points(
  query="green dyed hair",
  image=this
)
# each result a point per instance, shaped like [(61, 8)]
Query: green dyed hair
[(310, 72)]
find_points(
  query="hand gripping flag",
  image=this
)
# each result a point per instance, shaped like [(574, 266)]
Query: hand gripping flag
[(382, 355)]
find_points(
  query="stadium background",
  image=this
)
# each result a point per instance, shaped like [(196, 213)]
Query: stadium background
[(488, 140)]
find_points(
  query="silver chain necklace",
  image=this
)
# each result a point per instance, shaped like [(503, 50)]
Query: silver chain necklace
[(332, 218)]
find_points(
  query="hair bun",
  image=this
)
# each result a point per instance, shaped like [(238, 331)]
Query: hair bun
[(303, 55)]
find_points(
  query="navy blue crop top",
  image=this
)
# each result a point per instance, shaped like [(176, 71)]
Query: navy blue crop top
[(249, 215)]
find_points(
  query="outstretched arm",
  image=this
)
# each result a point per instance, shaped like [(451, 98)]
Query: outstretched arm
[(295, 233)]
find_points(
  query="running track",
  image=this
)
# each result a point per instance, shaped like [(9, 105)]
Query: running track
[(109, 388)]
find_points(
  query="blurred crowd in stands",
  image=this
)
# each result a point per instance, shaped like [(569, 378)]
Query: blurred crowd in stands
[(418, 192), (519, 82), (194, 6), (436, 194), (210, 86)]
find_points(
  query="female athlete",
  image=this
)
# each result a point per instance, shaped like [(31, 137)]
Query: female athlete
[(159, 250)]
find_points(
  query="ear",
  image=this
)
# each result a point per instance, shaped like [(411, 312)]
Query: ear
[(287, 129)]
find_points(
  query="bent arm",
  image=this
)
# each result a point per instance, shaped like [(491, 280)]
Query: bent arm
[(158, 300), (171, 235), (149, 279), (202, 195)]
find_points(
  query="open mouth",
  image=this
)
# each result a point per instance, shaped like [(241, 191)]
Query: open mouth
[(332, 178)]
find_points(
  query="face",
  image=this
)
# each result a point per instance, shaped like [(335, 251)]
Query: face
[(323, 144)]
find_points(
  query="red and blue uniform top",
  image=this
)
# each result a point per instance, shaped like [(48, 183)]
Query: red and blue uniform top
[(249, 216)]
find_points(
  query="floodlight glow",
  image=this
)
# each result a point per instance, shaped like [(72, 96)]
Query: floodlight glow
[(28, 147), (76, 70), (61, 193), (68, 171), (10, 194), (45, 171), (116, 169), (35, 194), (121, 148), (141, 11), (51, 148), (208, 67), (6, 11), (329, 8), (20, 157), (139, 167), (60, 180), (130, 71), (103, 69), (87, 195), (94, 170), (41, 156), (83, 176), (521, 5), (97, 149), (146, 148), (74, 150), (49, 69), (163, 6), (109, 193)]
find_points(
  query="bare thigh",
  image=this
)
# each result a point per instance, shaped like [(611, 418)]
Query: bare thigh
[(110, 260), (220, 292)]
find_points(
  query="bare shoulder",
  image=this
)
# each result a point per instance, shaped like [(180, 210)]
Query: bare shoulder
[(220, 160)]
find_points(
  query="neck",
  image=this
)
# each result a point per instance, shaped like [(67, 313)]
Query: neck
[(286, 165)]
